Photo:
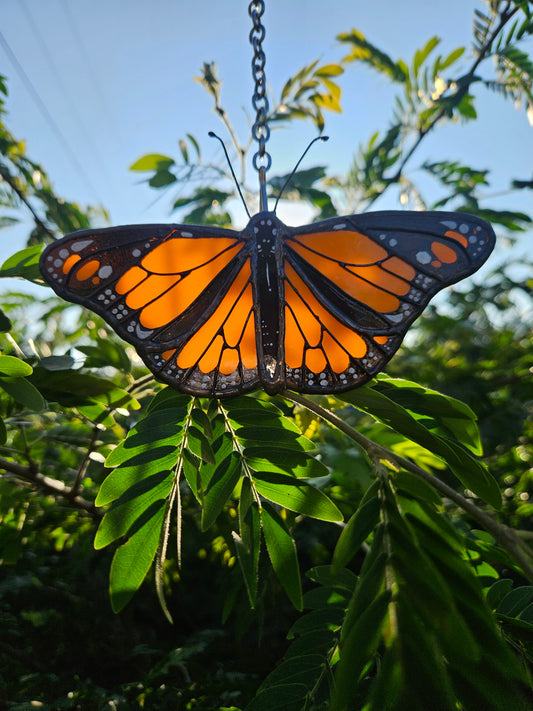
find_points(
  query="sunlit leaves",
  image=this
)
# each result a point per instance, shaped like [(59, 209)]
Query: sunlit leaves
[(309, 93), (421, 598), (425, 431), (362, 50), (245, 449), (24, 264)]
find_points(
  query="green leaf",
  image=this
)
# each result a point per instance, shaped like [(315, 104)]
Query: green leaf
[(133, 559), (329, 618), (200, 419), (220, 488), (24, 264), (422, 54), (295, 670), (356, 531), (282, 697), (3, 432), (9, 365), (283, 461), (364, 51), (439, 413), (331, 576), (273, 437), (356, 649), (75, 389), (248, 544), (21, 390), (296, 495), (469, 470), (62, 362), (140, 466), (128, 510), (498, 591), (199, 445), (161, 179), (282, 552), (106, 352), (415, 486), (516, 601), (152, 161), (451, 58)]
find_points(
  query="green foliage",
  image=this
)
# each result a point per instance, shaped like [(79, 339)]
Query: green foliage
[(379, 493)]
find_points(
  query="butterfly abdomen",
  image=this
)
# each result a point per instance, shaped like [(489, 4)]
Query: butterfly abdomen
[(267, 280)]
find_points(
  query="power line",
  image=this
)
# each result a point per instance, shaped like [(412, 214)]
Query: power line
[(80, 45), (47, 116), (60, 83)]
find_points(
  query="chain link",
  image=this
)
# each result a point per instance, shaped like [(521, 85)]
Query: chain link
[(260, 130)]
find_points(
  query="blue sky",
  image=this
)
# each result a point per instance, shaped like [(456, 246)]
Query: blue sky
[(116, 76)]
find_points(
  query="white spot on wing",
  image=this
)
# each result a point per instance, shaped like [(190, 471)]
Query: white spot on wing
[(105, 271), (81, 244), (423, 257)]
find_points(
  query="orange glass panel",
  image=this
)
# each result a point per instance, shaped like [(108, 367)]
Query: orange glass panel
[(444, 253), (399, 267), (315, 360), (368, 294), (348, 339), (70, 262), (309, 325), (379, 277), (181, 254), (87, 270), (174, 301), (211, 357), (344, 246), (234, 326), (294, 341), (457, 236), (229, 361), (198, 344), (150, 289), (247, 346), (337, 357), (130, 280)]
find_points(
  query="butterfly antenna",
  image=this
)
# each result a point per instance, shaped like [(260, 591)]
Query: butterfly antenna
[(214, 135), (318, 138)]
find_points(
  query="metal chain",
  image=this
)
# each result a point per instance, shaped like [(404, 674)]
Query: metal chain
[(260, 130)]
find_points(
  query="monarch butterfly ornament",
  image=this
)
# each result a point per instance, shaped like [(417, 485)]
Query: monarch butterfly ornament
[(316, 309)]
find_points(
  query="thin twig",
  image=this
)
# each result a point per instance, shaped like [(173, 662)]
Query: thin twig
[(505, 536), (50, 485), (6, 175), (82, 469)]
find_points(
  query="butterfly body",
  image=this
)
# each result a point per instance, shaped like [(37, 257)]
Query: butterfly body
[(320, 308)]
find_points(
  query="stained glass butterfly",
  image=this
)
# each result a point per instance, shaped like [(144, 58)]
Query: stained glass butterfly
[(316, 309)]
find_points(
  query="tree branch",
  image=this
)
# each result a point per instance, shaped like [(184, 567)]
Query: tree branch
[(465, 83), (50, 486), (506, 537), (6, 175)]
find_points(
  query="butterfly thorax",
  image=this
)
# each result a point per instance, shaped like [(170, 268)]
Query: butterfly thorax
[(267, 283)]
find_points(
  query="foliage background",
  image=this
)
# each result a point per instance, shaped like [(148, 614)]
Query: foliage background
[(63, 648)]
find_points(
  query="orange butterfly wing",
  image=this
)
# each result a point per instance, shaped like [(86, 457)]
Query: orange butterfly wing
[(316, 309), (181, 295), (354, 285)]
